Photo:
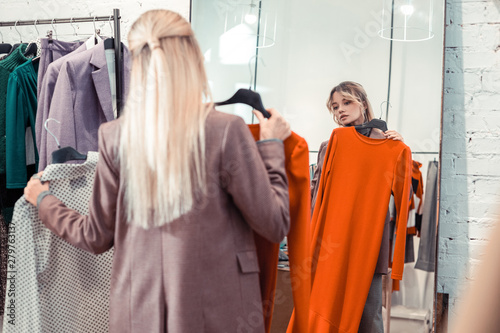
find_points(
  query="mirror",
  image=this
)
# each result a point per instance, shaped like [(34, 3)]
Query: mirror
[(293, 53)]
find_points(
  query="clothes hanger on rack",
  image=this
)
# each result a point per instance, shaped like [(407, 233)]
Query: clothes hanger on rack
[(32, 48), (248, 97), (4, 47), (109, 43), (50, 33), (62, 155), (16, 45)]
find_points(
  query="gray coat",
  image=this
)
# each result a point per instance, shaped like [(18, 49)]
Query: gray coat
[(198, 273)]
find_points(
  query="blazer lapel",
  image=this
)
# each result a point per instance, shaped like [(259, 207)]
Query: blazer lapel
[(100, 77)]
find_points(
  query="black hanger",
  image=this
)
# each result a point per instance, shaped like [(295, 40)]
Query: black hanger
[(31, 50), (109, 43), (14, 47), (67, 154), (374, 123), (5, 48), (247, 97)]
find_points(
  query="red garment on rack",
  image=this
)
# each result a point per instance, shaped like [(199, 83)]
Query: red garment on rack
[(416, 175), (359, 174), (297, 170)]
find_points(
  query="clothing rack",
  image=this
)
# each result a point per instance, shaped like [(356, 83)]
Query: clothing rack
[(117, 41), (425, 152)]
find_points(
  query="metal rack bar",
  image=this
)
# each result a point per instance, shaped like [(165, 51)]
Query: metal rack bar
[(59, 21), (425, 152), (118, 62), (117, 41)]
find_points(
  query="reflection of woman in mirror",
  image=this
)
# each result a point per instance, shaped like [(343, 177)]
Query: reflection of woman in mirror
[(349, 105)]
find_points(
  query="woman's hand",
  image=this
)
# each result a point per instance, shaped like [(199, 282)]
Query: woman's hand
[(391, 134), (275, 127), (34, 188)]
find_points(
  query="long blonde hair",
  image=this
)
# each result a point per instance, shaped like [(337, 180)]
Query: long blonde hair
[(353, 92), (162, 144)]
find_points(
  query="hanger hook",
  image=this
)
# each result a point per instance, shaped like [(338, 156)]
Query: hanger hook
[(256, 57), (110, 25), (95, 28), (73, 26), (15, 27), (1, 34), (37, 32), (381, 109), (53, 27), (53, 135)]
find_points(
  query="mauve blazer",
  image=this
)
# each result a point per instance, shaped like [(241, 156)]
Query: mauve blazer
[(45, 92), (198, 273), (82, 101)]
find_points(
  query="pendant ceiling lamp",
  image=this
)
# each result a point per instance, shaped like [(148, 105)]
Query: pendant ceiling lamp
[(250, 19), (407, 20)]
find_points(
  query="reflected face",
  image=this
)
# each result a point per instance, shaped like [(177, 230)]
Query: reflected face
[(346, 111)]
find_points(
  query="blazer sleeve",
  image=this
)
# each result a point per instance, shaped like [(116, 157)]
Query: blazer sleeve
[(401, 188), (93, 232), (256, 180)]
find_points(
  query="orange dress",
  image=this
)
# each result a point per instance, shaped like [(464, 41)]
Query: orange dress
[(359, 174), (297, 170)]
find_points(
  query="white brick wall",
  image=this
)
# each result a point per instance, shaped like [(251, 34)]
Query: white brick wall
[(470, 183)]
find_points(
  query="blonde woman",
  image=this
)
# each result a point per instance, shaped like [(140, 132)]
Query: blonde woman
[(179, 190)]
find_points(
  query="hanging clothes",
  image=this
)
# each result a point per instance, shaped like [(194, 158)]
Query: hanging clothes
[(82, 101), (417, 196), (59, 288), (418, 189), (3, 262), (348, 222), (7, 66), (44, 100), (297, 170), (427, 248), (20, 114), (45, 94), (51, 50)]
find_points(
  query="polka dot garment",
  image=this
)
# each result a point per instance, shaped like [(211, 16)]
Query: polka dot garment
[(55, 286)]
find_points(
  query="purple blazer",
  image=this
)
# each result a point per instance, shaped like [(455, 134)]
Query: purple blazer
[(82, 101), (45, 93), (198, 273)]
